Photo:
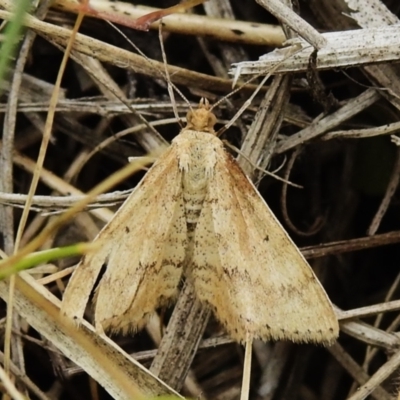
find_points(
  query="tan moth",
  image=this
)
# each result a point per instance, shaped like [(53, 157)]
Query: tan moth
[(196, 215)]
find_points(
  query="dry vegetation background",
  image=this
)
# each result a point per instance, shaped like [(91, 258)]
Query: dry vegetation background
[(346, 217)]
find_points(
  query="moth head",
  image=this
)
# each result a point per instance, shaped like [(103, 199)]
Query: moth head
[(201, 119)]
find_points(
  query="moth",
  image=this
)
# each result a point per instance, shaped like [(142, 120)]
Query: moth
[(196, 215)]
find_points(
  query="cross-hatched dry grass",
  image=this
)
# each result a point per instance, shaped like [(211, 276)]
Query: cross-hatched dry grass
[(346, 218)]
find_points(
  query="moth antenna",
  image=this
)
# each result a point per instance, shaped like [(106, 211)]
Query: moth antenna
[(215, 105), (245, 392), (245, 105), (250, 99), (122, 99), (170, 85), (163, 75), (273, 174)]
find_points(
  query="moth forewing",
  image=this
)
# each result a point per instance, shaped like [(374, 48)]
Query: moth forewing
[(248, 269), (143, 248), (195, 212)]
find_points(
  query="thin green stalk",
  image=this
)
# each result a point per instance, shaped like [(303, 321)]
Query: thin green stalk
[(42, 257), (12, 34)]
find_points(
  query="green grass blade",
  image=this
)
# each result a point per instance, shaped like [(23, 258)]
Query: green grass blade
[(12, 35), (42, 257)]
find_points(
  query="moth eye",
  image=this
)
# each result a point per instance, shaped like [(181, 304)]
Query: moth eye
[(189, 117), (212, 120)]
